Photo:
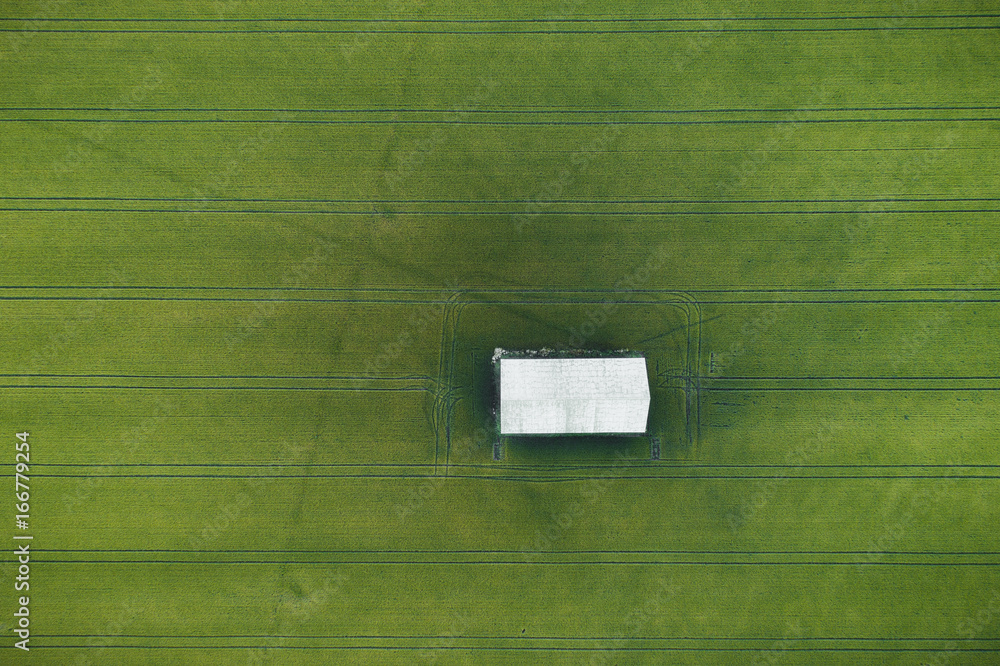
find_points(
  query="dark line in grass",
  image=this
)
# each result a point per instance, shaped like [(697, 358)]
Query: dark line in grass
[(387, 301), (340, 377), (487, 111), (560, 19), (638, 201), (493, 213), (496, 33), (312, 465), (532, 478), (519, 552), (496, 123), (521, 648), (535, 638), (487, 290), (950, 301), (754, 389), (213, 388), (531, 563), (845, 378), (523, 468)]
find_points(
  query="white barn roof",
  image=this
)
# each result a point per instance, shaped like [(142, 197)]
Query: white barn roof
[(555, 396)]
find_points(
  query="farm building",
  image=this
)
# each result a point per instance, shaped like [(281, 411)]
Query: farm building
[(572, 396)]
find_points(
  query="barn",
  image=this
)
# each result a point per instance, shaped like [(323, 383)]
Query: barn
[(579, 395)]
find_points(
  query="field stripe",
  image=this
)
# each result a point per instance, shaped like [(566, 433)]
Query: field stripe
[(522, 648), (497, 33), (631, 202), (582, 19), (537, 478), (499, 123), (540, 110)]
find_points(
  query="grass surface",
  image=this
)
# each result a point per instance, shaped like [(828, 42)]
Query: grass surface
[(254, 269)]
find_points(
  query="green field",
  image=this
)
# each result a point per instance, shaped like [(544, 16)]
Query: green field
[(257, 256)]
